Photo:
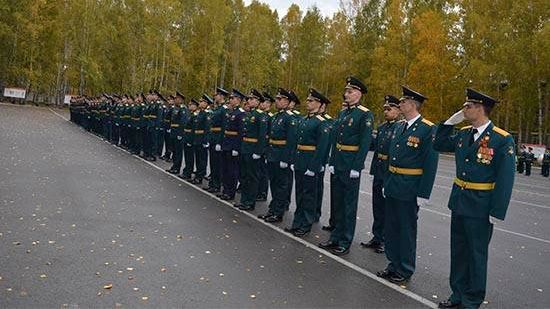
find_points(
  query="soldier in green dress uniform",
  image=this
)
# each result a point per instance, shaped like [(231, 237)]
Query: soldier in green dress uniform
[(215, 138), (313, 140), (485, 168), (282, 145), (379, 171), (353, 134), (179, 118), (265, 106), (201, 127), (412, 166), (188, 137), (253, 143)]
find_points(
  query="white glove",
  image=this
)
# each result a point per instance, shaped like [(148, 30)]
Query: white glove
[(218, 147), (494, 220), (354, 174), (292, 167), (309, 173), (422, 202), (322, 169), (384, 195), (331, 169), (179, 138), (205, 145), (168, 131), (283, 164), (234, 153), (255, 156), (456, 118)]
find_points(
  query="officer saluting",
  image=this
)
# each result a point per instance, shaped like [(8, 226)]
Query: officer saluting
[(413, 165), (379, 170), (353, 135), (313, 140), (485, 160)]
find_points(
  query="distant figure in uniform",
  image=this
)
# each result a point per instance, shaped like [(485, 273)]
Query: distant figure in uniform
[(313, 140), (215, 138), (282, 145), (231, 145), (188, 138), (379, 170), (521, 159), (201, 128), (353, 135), (529, 159), (408, 186), (485, 160), (252, 149), (265, 106), (179, 119), (329, 123), (546, 163)]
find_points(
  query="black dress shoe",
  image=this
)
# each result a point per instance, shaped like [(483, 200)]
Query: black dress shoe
[(264, 216), (237, 205), (327, 245), (261, 198), (226, 197), (380, 249), (247, 208), (213, 190), (274, 218), (448, 304), (168, 160), (397, 278), (289, 230), (385, 274), (300, 233), (219, 194), (371, 244), (196, 181), (339, 250), (329, 228)]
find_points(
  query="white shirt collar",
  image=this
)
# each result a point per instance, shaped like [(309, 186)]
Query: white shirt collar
[(410, 122), (481, 129)]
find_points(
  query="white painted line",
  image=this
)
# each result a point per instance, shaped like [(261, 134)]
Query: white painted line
[(340, 260)]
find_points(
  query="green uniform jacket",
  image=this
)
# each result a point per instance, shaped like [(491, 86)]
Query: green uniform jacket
[(255, 123), (352, 138), (282, 137), (188, 133), (490, 159), (201, 127), (380, 162), (412, 149), (313, 140), (215, 134)]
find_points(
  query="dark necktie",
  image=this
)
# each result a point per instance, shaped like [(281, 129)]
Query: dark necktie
[(405, 127), (474, 131)]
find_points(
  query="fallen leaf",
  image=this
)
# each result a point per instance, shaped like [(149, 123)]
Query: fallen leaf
[(163, 269), (129, 268), (252, 296), (145, 298), (108, 286), (43, 276)]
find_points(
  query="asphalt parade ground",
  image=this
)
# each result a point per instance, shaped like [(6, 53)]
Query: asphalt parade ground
[(85, 224)]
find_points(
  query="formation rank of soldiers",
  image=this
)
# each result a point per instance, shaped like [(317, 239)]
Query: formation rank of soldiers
[(247, 144)]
